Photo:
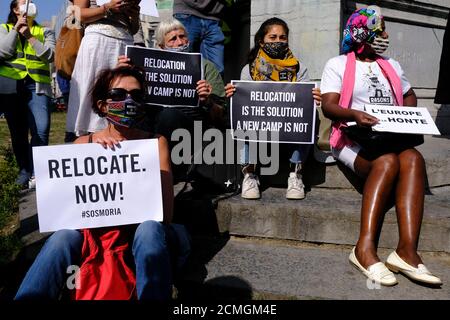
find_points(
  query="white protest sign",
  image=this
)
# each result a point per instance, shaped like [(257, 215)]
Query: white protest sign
[(86, 186), (148, 7), (403, 119)]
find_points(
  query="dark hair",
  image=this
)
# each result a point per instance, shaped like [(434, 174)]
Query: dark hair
[(105, 79), (260, 34), (12, 18)]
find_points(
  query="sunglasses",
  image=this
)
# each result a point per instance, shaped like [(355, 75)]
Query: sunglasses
[(120, 94)]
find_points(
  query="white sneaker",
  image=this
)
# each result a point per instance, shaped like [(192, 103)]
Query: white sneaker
[(296, 188), (32, 183), (250, 189)]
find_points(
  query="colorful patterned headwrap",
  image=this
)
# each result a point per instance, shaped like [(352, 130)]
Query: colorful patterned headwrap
[(361, 28)]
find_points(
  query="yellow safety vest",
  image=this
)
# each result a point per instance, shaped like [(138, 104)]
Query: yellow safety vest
[(25, 62)]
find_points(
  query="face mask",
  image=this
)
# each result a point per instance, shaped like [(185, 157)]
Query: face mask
[(380, 45), (276, 50), (127, 113), (184, 48), (32, 10)]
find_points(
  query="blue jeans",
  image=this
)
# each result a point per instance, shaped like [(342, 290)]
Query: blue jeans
[(299, 153), (46, 277), (27, 111), (154, 247), (206, 37)]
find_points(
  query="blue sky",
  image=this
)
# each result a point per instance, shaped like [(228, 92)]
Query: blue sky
[(46, 9)]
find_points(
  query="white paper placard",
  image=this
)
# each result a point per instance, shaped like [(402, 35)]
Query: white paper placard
[(86, 186), (403, 119), (148, 7)]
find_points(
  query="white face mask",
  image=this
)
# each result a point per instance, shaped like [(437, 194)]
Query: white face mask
[(32, 10), (380, 45)]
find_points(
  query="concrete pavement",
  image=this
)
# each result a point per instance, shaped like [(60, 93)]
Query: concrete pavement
[(262, 268)]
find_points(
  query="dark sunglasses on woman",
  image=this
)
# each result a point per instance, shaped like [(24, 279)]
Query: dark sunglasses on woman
[(120, 94)]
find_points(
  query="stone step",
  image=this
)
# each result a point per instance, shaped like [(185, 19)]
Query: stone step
[(435, 150), (250, 268), (327, 216)]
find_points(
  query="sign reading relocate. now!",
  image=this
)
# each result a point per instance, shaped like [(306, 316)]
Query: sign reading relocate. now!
[(170, 77), (267, 111), (403, 119), (86, 186)]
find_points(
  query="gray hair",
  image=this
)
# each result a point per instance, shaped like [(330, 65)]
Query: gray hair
[(165, 27)]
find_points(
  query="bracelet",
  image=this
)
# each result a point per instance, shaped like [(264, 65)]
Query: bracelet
[(106, 11)]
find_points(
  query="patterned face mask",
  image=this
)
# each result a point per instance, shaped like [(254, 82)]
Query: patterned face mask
[(127, 113), (184, 48), (276, 50), (361, 29), (380, 44)]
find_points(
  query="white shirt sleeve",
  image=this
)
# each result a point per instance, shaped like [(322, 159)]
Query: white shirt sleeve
[(303, 74), (245, 73), (405, 83), (332, 76)]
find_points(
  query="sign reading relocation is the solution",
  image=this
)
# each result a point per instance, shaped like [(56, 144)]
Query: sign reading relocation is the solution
[(85, 186), (268, 111), (170, 77), (403, 119)]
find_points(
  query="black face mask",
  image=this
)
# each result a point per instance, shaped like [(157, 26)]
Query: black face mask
[(276, 50)]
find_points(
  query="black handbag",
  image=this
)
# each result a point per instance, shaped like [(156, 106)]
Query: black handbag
[(376, 142)]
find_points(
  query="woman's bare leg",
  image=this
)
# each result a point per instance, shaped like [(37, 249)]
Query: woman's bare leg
[(410, 194), (381, 175)]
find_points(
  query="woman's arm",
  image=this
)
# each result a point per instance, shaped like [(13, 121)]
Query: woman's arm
[(332, 110), (409, 98), (88, 15), (8, 42), (166, 179), (45, 51)]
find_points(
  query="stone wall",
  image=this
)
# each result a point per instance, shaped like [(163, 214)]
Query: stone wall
[(314, 28)]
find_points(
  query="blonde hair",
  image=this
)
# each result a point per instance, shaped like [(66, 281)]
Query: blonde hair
[(165, 27)]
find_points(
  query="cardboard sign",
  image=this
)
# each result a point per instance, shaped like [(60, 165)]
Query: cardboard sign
[(170, 77), (403, 119), (284, 111), (86, 186)]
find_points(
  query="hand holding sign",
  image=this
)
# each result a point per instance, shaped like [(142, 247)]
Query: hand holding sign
[(204, 89), (364, 119)]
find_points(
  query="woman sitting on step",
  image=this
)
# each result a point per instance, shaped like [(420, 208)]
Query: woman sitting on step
[(349, 82), (155, 248), (271, 59)]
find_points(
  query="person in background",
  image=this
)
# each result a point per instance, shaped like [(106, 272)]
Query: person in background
[(442, 90), (271, 60), (159, 249), (202, 22), (171, 35), (109, 29), (350, 81), (26, 51)]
